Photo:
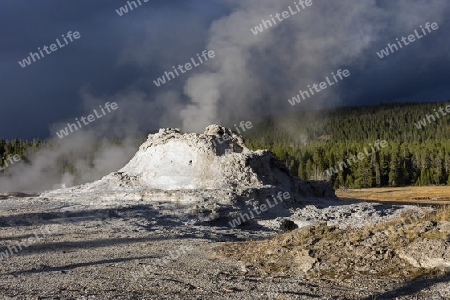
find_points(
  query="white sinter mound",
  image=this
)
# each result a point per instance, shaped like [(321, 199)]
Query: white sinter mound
[(213, 172)]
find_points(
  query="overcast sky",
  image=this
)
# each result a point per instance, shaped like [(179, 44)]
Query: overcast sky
[(118, 57)]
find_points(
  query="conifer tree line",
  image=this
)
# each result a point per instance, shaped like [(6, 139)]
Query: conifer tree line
[(310, 142), (23, 148)]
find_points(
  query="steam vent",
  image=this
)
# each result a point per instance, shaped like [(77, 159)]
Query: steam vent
[(211, 175)]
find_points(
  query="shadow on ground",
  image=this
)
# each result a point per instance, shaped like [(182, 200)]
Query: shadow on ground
[(412, 287), (45, 268)]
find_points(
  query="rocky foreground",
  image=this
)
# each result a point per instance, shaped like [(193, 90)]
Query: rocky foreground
[(133, 251), (402, 249), (198, 216)]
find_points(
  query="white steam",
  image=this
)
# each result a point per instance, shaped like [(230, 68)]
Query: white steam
[(260, 72)]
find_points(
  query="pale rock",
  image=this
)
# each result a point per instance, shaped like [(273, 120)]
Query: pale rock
[(304, 262), (427, 254), (209, 175)]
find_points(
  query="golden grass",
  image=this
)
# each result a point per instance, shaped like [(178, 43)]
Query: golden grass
[(439, 195), (443, 213)]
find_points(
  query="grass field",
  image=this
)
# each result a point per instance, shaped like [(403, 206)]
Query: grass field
[(414, 195)]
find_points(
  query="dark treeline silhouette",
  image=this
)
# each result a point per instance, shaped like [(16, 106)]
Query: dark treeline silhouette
[(310, 142)]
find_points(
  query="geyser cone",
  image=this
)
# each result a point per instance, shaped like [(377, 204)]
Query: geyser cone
[(213, 172)]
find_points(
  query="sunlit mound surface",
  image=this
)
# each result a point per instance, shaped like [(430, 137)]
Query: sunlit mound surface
[(214, 169)]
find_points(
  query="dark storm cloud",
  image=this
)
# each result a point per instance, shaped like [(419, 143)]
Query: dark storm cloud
[(48, 91), (417, 72), (117, 59)]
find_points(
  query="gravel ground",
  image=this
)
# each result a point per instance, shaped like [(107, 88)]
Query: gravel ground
[(130, 250)]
